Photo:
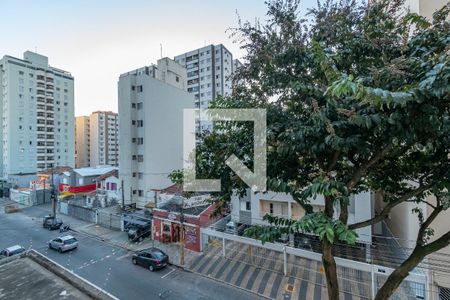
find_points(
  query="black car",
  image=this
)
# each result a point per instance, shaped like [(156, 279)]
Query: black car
[(138, 233), (51, 223), (151, 259)]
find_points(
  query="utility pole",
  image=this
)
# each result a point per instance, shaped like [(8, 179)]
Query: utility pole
[(44, 190), (123, 195), (53, 195), (182, 233)]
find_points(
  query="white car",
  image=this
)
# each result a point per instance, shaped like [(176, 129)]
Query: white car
[(13, 250), (63, 243)]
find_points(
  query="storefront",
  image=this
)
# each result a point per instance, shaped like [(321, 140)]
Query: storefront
[(167, 227)]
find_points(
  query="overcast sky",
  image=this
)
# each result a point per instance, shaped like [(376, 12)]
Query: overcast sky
[(98, 40)]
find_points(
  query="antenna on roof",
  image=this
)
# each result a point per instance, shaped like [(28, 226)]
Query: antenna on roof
[(160, 45)]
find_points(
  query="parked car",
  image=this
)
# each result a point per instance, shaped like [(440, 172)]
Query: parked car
[(138, 233), (13, 250), (230, 228), (51, 223), (152, 259), (63, 243)]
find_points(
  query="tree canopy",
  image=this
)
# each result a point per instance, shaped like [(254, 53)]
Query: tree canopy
[(357, 99)]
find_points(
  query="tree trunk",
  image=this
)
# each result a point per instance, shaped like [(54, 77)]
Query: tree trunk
[(400, 273), (329, 265)]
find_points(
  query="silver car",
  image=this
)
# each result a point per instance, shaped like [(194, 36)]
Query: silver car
[(63, 243)]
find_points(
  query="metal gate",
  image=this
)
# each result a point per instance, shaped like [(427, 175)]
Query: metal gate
[(109, 220)]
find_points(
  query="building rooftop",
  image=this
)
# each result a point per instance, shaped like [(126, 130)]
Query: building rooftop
[(56, 170), (94, 171), (114, 173), (193, 211), (33, 276)]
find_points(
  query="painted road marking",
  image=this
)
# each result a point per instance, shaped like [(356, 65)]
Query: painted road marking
[(167, 274)]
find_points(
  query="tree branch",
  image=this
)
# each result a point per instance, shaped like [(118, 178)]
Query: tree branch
[(333, 161), (423, 227), (361, 171), (387, 209)]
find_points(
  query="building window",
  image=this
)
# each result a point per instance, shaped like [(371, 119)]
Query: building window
[(140, 88), (177, 79), (141, 193), (140, 158), (140, 105), (248, 205), (140, 123), (133, 105), (271, 208)]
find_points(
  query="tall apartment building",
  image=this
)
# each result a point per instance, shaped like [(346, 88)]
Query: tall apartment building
[(151, 104), (37, 113), (104, 138), (82, 142), (209, 71), (97, 139)]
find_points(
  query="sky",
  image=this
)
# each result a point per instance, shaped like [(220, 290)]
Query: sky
[(98, 40)]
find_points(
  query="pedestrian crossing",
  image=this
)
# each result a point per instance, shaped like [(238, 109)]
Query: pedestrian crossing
[(261, 271)]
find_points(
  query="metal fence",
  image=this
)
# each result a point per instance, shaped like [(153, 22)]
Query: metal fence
[(358, 280)]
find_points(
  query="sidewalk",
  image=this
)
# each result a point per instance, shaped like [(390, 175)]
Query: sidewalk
[(120, 239)]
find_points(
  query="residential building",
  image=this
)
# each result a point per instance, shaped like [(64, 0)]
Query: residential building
[(151, 104), (84, 176), (108, 189), (104, 138), (197, 212), (97, 139), (37, 113), (209, 71), (82, 142), (425, 8), (251, 209)]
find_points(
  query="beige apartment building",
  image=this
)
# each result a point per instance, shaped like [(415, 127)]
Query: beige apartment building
[(97, 139), (82, 142)]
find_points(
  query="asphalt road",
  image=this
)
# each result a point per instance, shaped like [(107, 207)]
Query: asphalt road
[(110, 267)]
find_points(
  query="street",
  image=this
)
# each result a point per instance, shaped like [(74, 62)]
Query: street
[(110, 267)]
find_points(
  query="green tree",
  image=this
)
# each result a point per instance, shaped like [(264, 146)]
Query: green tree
[(357, 99)]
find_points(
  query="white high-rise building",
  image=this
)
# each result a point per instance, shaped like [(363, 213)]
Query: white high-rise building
[(97, 139), (209, 71), (37, 115), (151, 104)]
